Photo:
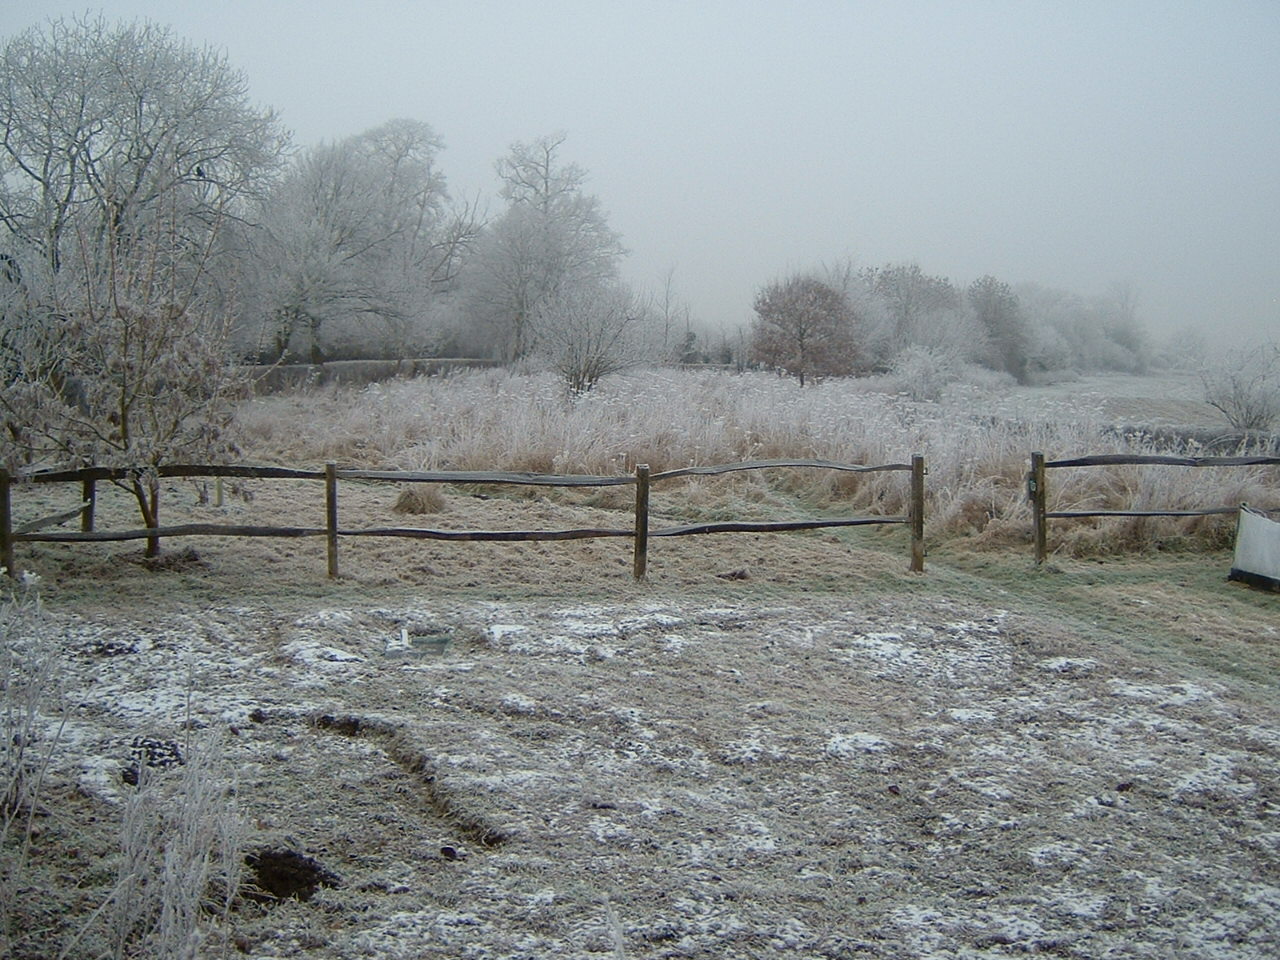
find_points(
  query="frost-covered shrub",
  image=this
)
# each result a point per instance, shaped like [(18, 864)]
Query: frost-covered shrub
[(1244, 386), (922, 373)]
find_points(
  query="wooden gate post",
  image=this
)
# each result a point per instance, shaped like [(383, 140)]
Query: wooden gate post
[(642, 521), (331, 515), (917, 514), (1039, 498), (6, 524)]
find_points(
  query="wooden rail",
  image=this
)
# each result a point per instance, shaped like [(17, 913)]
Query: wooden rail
[(641, 531), (1038, 488)]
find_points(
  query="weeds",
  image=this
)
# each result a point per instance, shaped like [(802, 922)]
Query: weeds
[(181, 857), (32, 716), (180, 841)]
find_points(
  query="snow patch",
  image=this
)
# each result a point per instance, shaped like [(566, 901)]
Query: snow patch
[(318, 655), (1071, 666), (846, 745)]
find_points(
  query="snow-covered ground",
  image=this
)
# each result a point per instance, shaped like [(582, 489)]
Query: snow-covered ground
[(686, 778)]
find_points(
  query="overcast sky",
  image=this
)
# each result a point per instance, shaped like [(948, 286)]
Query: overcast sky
[(1072, 143)]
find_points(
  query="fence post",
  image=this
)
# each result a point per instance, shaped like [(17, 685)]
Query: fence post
[(6, 524), (331, 515), (153, 541), (917, 514), (89, 497), (1039, 498), (642, 521)]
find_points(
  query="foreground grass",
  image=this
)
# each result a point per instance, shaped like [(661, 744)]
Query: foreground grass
[(775, 745), (1076, 761), (1177, 611), (1175, 608)]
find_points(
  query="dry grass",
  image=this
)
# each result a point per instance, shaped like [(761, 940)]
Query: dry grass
[(420, 498), (976, 441), (778, 745)]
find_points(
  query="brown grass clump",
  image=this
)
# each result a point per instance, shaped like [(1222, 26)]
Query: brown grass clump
[(420, 498)]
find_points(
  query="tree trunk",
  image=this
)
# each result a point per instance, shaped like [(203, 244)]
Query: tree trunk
[(148, 496)]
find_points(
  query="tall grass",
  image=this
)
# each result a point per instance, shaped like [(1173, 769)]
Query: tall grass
[(976, 439), (32, 714), (181, 859)]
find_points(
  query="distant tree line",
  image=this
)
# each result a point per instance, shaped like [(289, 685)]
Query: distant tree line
[(841, 320)]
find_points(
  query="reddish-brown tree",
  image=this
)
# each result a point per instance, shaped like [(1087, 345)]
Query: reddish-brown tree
[(804, 328)]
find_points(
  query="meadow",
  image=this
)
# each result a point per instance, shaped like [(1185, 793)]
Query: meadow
[(977, 437), (776, 745)]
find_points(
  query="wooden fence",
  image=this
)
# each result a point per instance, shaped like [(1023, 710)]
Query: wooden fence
[(1038, 489), (332, 531)]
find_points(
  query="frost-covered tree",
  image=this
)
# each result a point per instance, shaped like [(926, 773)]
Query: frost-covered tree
[(360, 237), (804, 328), (1244, 386), (552, 237), (589, 330), (995, 306), (1068, 331), (915, 302), (873, 326), (114, 135), (127, 156)]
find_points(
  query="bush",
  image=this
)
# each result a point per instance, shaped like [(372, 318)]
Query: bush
[(922, 373), (1245, 387)]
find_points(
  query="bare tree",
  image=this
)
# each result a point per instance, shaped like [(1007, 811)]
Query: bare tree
[(678, 341), (552, 237), (592, 330), (112, 130), (126, 156), (916, 302), (804, 328)]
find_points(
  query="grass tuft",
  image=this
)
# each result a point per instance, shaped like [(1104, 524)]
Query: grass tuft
[(420, 498)]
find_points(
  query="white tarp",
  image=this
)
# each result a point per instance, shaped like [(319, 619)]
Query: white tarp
[(1257, 559)]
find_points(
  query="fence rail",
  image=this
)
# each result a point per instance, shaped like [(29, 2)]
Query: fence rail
[(37, 530), (1038, 488), (641, 530)]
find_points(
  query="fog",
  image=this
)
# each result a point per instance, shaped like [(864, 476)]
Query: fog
[(1075, 145)]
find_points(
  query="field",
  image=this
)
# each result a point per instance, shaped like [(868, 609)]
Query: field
[(778, 745)]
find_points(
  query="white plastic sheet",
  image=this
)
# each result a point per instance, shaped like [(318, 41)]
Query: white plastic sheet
[(1257, 559)]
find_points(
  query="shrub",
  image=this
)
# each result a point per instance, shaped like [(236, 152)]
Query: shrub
[(922, 373), (1245, 387)]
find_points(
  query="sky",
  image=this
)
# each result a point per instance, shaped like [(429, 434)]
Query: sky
[(1075, 144)]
